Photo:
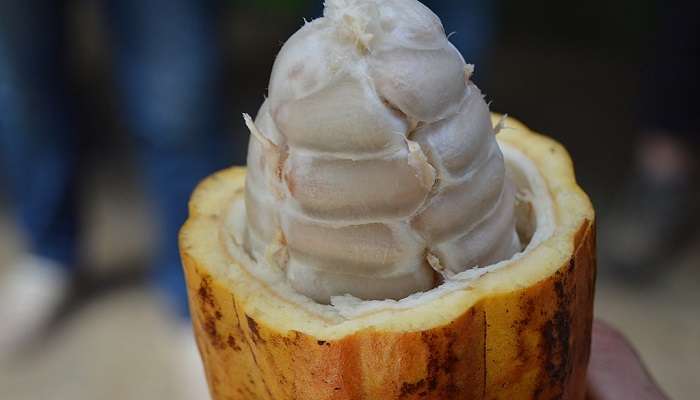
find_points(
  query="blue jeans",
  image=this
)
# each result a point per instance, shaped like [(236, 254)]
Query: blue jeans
[(670, 78), (470, 26), (166, 69)]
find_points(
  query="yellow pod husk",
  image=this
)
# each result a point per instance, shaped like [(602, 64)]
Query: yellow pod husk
[(521, 332)]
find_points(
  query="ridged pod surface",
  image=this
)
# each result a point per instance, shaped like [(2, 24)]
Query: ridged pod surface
[(519, 332), (373, 165)]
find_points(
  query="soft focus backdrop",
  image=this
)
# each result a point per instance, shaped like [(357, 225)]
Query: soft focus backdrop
[(582, 72)]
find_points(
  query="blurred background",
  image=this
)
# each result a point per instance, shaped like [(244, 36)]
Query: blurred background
[(111, 111)]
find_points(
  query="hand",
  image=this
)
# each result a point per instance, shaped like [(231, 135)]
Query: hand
[(615, 371)]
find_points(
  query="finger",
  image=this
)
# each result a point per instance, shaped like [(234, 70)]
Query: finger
[(615, 370)]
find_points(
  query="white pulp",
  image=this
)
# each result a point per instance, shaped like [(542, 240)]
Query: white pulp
[(373, 165)]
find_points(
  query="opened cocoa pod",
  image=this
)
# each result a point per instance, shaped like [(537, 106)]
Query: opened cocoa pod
[(384, 242)]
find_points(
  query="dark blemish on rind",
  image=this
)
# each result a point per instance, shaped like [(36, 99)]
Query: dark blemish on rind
[(232, 343), (254, 330), (208, 303), (451, 359), (538, 391), (204, 292), (450, 391), (449, 365), (408, 389), (212, 333), (433, 361), (556, 334), (440, 364), (322, 343), (527, 310)]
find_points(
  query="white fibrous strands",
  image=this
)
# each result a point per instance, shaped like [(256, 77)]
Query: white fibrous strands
[(501, 124), (373, 167)]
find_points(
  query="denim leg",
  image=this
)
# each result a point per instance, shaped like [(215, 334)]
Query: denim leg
[(168, 67), (469, 23), (670, 81), (37, 141)]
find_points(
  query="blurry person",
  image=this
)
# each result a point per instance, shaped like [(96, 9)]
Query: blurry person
[(166, 69), (655, 215)]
